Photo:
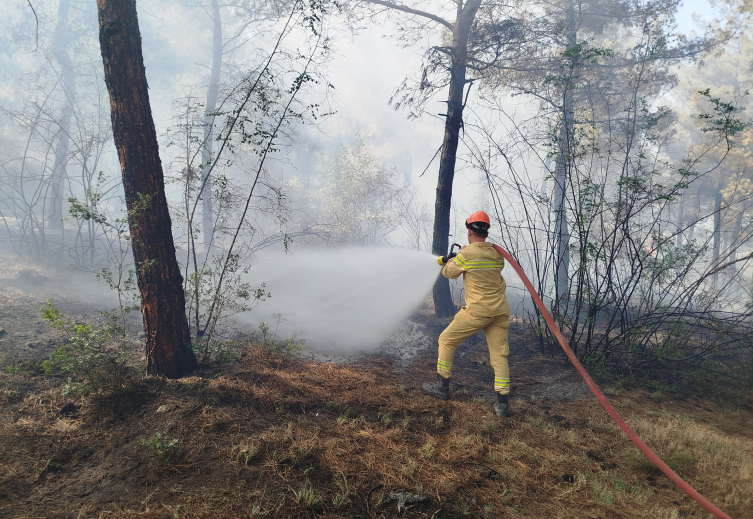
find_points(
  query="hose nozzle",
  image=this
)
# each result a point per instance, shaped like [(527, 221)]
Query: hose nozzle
[(442, 260)]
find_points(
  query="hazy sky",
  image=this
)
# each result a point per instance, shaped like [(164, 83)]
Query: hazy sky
[(685, 15), (365, 70)]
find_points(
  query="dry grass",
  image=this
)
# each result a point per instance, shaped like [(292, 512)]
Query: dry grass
[(718, 464), (318, 440)]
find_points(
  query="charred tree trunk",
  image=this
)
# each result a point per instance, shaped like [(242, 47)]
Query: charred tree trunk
[(211, 106), (55, 201), (443, 305), (168, 341)]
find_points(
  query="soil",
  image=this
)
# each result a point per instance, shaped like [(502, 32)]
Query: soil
[(306, 438)]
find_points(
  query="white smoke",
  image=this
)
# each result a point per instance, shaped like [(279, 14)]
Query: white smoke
[(342, 300)]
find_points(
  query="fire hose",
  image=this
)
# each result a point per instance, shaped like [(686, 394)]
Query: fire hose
[(656, 460)]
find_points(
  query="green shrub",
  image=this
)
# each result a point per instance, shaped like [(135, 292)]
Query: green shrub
[(90, 354), (283, 350), (162, 447), (216, 351), (213, 293)]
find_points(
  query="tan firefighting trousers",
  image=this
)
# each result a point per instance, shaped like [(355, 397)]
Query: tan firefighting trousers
[(466, 324)]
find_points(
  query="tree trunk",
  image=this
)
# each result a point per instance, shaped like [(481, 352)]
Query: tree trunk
[(681, 220), (717, 232), (168, 341), (694, 218), (561, 228), (60, 40), (733, 243), (211, 106), (561, 175), (443, 304), (732, 247)]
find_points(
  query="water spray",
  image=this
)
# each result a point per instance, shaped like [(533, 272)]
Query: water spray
[(342, 301)]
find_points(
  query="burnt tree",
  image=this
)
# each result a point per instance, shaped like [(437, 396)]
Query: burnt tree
[(461, 30), (457, 54), (168, 341)]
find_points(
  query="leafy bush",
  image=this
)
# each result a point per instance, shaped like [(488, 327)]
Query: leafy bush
[(283, 350), (89, 353), (162, 447), (217, 351), (208, 304)]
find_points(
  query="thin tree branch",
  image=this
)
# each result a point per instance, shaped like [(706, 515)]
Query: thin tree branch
[(263, 156), (432, 160), (37, 19), (410, 10)]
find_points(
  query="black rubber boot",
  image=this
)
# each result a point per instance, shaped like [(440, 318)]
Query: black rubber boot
[(501, 407), (439, 389)]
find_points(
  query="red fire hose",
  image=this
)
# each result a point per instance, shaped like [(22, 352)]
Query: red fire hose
[(697, 497)]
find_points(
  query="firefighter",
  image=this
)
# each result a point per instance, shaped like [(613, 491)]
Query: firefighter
[(486, 309)]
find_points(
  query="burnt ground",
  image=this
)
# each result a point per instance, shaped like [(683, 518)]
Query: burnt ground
[(304, 438)]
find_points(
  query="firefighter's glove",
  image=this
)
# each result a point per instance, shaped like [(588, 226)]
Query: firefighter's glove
[(442, 260)]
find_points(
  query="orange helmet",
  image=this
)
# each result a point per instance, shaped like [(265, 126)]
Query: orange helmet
[(479, 223)]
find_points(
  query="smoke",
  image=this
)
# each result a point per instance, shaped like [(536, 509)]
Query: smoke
[(342, 300)]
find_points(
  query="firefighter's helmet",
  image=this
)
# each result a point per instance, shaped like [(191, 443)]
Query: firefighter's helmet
[(479, 223)]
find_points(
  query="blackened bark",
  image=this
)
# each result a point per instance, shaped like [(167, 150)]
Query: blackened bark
[(168, 341), (443, 305)]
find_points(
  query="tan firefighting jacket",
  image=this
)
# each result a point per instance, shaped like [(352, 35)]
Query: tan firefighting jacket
[(481, 267)]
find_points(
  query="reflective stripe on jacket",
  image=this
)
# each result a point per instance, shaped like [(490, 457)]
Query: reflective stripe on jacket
[(481, 267)]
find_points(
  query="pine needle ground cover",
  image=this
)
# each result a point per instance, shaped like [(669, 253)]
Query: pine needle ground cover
[(256, 437)]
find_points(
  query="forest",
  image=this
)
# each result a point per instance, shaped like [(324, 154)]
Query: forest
[(220, 224)]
